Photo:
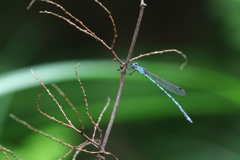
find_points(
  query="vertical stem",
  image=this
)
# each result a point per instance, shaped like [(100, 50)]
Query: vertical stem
[(113, 113), (142, 6)]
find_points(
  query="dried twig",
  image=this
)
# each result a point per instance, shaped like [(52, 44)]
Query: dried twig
[(161, 52), (81, 146), (142, 7), (70, 104), (38, 131), (100, 117), (134, 39), (50, 94), (70, 151), (86, 102), (93, 141), (114, 26), (30, 4), (55, 139), (86, 29), (4, 152), (70, 125), (7, 150)]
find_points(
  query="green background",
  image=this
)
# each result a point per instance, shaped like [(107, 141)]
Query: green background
[(148, 125)]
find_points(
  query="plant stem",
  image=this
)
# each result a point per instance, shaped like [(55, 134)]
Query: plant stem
[(142, 7)]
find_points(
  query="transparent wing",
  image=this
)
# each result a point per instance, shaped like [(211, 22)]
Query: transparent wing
[(167, 85)]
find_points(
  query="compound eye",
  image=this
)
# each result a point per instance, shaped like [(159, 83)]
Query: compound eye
[(134, 65)]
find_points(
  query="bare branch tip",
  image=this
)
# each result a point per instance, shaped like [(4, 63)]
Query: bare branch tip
[(77, 65), (183, 65), (32, 72), (143, 4), (30, 4), (43, 11), (11, 115)]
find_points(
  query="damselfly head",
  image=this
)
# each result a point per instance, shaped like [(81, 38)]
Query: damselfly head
[(134, 65)]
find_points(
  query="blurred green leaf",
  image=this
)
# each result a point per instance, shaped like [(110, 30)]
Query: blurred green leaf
[(203, 85)]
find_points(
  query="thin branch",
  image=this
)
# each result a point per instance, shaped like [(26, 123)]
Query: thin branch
[(93, 142), (65, 11), (70, 151), (50, 94), (100, 117), (142, 3), (7, 150), (80, 29), (4, 152), (86, 30), (101, 156), (86, 102), (38, 131), (53, 138), (113, 112), (30, 4), (70, 104), (81, 146), (69, 14), (161, 52), (142, 7), (54, 119), (113, 23), (70, 125)]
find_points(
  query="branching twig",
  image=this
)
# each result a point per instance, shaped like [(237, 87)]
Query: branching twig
[(70, 125), (134, 39), (69, 14), (55, 139), (81, 146), (142, 7), (86, 102), (70, 151), (86, 30), (114, 26), (70, 104), (7, 150), (38, 131), (95, 142), (3, 150), (50, 94)]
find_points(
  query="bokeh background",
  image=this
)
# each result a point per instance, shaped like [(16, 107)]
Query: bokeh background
[(148, 125)]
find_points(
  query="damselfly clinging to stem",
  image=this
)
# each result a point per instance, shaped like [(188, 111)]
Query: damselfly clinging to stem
[(161, 83)]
